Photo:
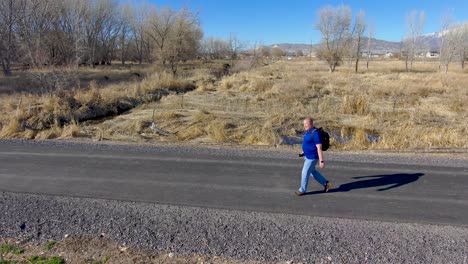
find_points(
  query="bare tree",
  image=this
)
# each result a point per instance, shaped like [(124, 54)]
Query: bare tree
[(359, 30), (311, 46), (463, 45), (370, 36), (158, 28), (185, 38), (141, 47), (67, 38), (212, 48), (42, 33), (334, 26), (205, 49), (36, 31), (176, 35), (277, 52), (454, 44), (100, 30), (415, 29), (34, 28), (264, 51), (8, 11), (446, 23), (235, 46), (124, 38)]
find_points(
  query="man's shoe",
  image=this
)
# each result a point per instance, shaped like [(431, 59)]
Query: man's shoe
[(298, 193), (327, 186)]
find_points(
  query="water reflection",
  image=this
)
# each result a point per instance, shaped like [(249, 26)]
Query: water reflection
[(338, 135)]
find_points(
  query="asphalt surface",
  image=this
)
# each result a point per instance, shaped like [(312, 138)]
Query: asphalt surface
[(237, 203), (240, 180)]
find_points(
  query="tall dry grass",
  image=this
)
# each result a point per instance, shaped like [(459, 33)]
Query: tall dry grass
[(34, 114), (383, 107)]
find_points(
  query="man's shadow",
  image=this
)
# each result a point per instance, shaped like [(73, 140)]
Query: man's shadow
[(386, 182)]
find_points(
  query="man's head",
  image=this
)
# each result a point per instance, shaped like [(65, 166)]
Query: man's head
[(308, 124)]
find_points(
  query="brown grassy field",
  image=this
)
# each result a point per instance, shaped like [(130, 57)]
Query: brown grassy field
[(380, 108)]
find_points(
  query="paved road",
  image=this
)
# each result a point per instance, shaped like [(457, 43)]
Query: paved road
[(389, 192)]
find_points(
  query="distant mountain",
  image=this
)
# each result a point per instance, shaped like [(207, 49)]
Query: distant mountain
[(430, 41), (292, 48), (377, 46)]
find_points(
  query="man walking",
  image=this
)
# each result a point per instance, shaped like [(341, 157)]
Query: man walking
[(312, 150)]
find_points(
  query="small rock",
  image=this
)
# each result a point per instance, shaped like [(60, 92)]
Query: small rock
[(123, 249)]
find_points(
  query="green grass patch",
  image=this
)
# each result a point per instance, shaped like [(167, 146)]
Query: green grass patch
[(18, 251), (103, 261), (44, 260), (7, 248), (8, 261), (50, 245)]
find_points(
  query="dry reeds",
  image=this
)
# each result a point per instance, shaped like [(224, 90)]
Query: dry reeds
[(217, 131), (62, 108), (383, 107), (355, 105), (191, 132)]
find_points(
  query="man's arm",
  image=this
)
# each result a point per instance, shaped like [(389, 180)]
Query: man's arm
[(320, 154)]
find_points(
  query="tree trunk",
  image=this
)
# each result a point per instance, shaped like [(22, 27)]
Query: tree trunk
[(122, 54), (174, 68), (411, 62), (406, 62), (440, 52), (6, 59), (357, 63), (463, 56), (358, 50), (6, 68)]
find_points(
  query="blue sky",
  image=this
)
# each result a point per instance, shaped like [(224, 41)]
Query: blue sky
[(269, 22)]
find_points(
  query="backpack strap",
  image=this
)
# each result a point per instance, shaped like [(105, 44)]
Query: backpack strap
[(312, 133)]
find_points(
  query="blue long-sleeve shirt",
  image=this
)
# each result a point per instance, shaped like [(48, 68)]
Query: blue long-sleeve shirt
[(309, 143)]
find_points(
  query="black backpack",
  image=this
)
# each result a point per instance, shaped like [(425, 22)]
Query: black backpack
[(324, 137)]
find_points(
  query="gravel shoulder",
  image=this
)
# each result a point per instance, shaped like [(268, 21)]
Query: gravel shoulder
[(229, 234)]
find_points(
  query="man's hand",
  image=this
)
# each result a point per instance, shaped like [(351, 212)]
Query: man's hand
[(301, 154), (321, 165)]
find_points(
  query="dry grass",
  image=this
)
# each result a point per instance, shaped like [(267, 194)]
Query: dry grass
[(191, 132), (45, 114), (355, 105), (419, 109), (217, 131)]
